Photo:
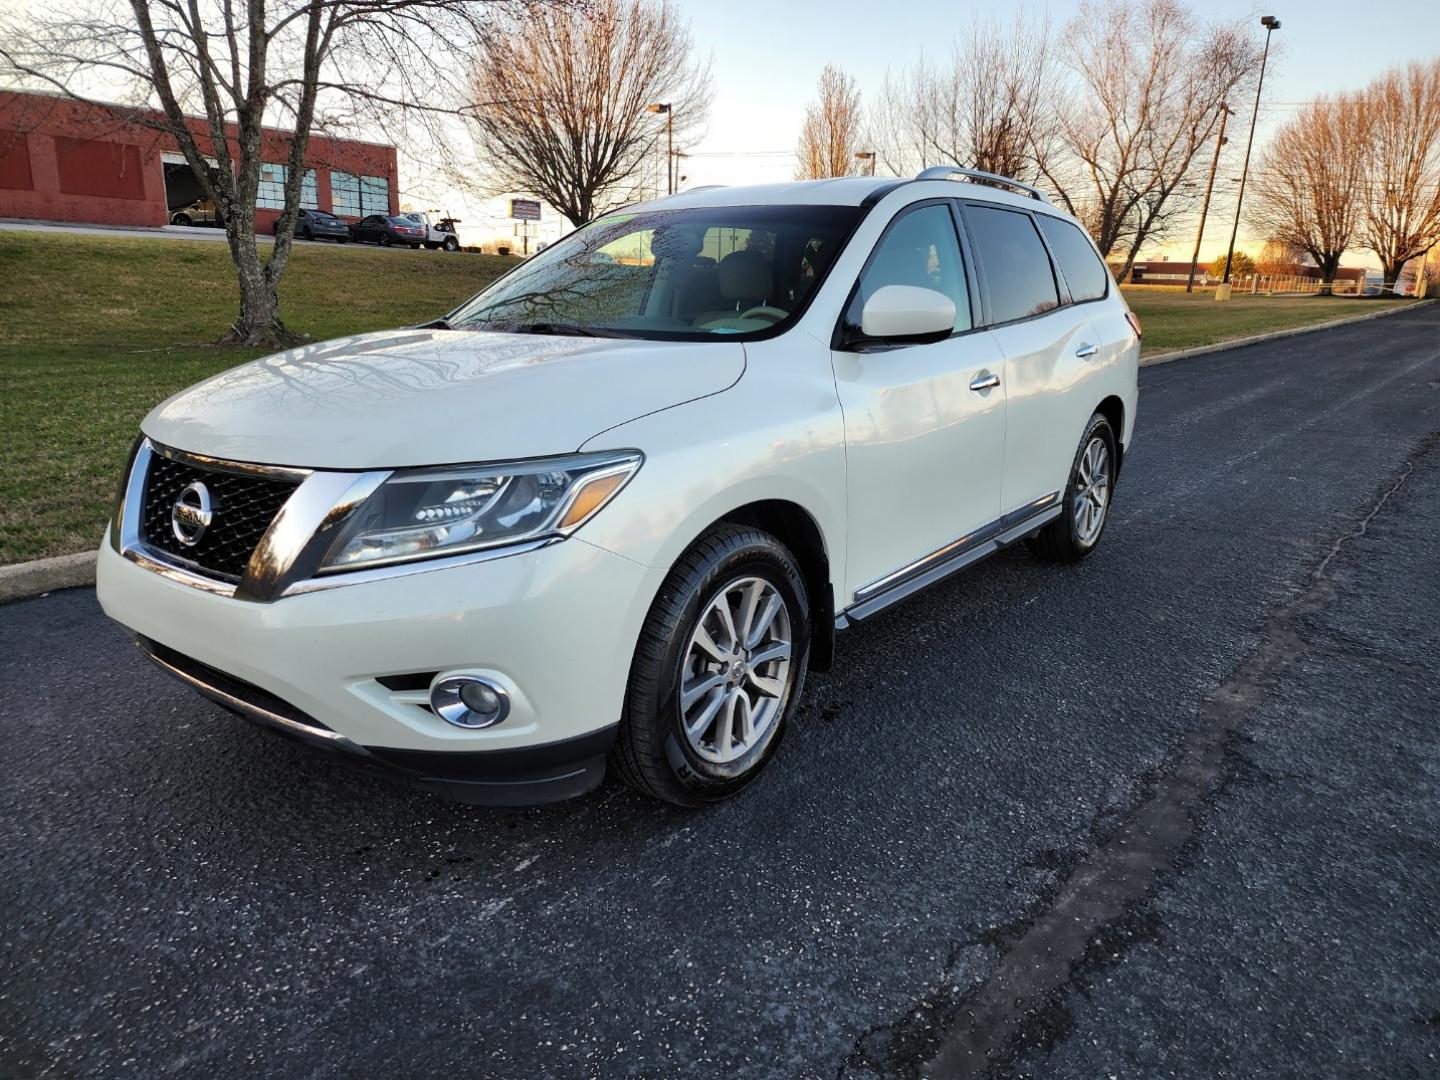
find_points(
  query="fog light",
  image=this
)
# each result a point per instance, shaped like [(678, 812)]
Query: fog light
[(469, 702)]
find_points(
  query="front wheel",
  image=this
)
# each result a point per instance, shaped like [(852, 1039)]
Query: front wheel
[(718, 670), (1086, 506), (385, 240), (451, 244)]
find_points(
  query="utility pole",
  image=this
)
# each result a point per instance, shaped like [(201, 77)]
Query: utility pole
[(669, 112), (1205, 206), (1271, 24), (867, 155)]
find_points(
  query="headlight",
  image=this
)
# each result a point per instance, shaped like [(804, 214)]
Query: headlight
[(420, 513)]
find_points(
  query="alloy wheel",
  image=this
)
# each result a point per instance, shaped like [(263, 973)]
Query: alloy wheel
[(1092, 490), (736, 672)]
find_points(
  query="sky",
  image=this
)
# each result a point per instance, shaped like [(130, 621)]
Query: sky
[(765, 56)]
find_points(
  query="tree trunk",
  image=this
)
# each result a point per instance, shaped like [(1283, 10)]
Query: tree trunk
[(1391, 273), (258, 323), (1329, 264)]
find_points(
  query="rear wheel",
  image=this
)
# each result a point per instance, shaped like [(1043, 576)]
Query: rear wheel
[(718, 670), (1077, 531), (180, 219), (451, 244), (385, 240)]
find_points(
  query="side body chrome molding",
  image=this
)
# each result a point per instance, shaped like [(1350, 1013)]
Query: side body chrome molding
[(953, 557)]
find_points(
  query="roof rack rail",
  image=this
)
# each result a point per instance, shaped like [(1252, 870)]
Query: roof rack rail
[(954, 172)]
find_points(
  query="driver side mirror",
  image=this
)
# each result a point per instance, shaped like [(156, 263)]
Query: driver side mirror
[(904, 315)]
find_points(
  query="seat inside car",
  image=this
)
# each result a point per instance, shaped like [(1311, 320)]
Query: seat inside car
[(745, 280)]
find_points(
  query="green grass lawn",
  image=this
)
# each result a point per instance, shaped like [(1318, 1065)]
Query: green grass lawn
[(1174, 319), (94, 331)]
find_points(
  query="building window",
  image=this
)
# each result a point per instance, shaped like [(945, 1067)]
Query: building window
[(271, 195), (356, 196)]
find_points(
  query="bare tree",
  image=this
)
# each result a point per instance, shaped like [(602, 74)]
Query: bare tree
[(1402, 189), (562, 102), (831, 134), (240, 65), (1309, 182), (991, 107), (1147, 84)]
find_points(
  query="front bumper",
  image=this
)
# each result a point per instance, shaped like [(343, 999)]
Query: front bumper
[(556, 627)]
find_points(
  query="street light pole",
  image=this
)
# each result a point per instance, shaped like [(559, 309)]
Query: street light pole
[(867, 155), (1271, 24), (1205, 206)]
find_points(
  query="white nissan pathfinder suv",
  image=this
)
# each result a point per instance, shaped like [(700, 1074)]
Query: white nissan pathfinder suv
[(613, 508)]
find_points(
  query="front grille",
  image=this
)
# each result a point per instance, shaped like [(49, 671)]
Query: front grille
[(242, 508)]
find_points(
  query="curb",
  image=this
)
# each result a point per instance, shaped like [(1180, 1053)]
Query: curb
[(1275, 335), (42, 576)]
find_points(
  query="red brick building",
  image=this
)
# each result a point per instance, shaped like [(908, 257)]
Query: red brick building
[(62, 160)]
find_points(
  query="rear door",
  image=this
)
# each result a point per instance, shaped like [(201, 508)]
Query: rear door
[(924, 424), (1047, 343)]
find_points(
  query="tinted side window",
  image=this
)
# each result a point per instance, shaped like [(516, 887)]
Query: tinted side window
[(1084, 272), (920, 249), (1013, 263)]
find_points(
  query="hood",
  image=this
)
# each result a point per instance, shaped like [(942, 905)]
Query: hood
[(430, 397)]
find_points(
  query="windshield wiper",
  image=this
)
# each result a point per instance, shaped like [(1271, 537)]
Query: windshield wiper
[(441, 323), (557, 328)]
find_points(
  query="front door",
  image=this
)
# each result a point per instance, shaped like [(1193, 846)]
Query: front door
[(924, 424)]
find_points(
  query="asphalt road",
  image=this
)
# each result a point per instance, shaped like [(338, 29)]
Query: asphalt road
[(1175, 812)]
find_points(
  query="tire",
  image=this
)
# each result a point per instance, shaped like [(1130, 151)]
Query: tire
[(385, 240), (1071, 537), (180, 219), (451, 244), (414, 247), (653, 752)]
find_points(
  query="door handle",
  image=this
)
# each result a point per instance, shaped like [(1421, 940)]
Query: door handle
[(986, 380), (1085, 351)]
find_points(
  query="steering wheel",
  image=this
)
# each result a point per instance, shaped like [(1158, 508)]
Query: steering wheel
[(774, 314)]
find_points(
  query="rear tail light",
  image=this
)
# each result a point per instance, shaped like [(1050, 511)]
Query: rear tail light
[(1134, 321)]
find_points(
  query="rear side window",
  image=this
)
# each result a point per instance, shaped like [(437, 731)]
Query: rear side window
[(921, 249), (1084, 272), (1013, 263)]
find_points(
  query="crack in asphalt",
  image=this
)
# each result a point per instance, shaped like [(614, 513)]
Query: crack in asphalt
[(971, 1024)]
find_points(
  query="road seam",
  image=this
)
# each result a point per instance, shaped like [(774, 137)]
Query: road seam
[(971, 1032), (1276, 335)]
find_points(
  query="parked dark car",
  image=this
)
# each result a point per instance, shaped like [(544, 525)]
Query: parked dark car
[(317, 225), (388, 229)]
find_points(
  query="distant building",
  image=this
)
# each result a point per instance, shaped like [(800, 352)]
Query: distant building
[(62, 160)]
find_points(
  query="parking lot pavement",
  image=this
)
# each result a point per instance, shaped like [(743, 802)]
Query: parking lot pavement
[(1172, 812), (161, 232)]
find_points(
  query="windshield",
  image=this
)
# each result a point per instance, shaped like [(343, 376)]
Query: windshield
[(674, 274)]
